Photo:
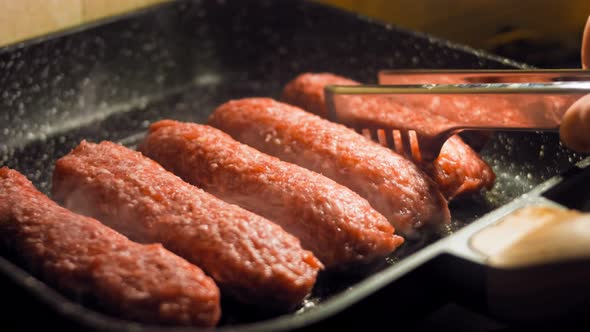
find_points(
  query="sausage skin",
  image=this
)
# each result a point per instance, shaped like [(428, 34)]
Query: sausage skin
[(332, 221), (85, 259), (393, 185), (250, 258), (458, 170)]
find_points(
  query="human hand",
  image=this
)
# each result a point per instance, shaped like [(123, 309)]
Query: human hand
[(575, 125)]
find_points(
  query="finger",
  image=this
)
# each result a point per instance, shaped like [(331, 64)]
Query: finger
[(586, 46), (575, 126)]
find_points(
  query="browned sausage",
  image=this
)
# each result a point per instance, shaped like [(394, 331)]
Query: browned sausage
[(458, 169), (393, 185), (85, 259), (336, 224), (250, 258)]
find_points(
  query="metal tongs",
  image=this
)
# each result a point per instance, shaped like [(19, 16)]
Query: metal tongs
[(414, 112)]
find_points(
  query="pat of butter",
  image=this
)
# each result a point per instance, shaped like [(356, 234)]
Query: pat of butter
[(535, 235)]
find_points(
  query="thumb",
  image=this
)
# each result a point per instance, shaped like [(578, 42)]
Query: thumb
[(574, 130), (575, 126)]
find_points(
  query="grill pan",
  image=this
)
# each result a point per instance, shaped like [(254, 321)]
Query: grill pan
[(180, 60)]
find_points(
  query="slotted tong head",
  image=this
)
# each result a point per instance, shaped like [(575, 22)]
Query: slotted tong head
[(414, 112)]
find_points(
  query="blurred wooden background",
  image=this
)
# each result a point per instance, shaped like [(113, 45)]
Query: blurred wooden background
[(23, 19), (545, 33), (475, 21), (502, 26)]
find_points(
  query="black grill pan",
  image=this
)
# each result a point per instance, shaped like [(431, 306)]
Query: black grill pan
[(182, 59)]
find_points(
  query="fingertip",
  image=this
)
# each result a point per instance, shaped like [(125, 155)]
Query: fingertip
[(574, 130), (586, 46)]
